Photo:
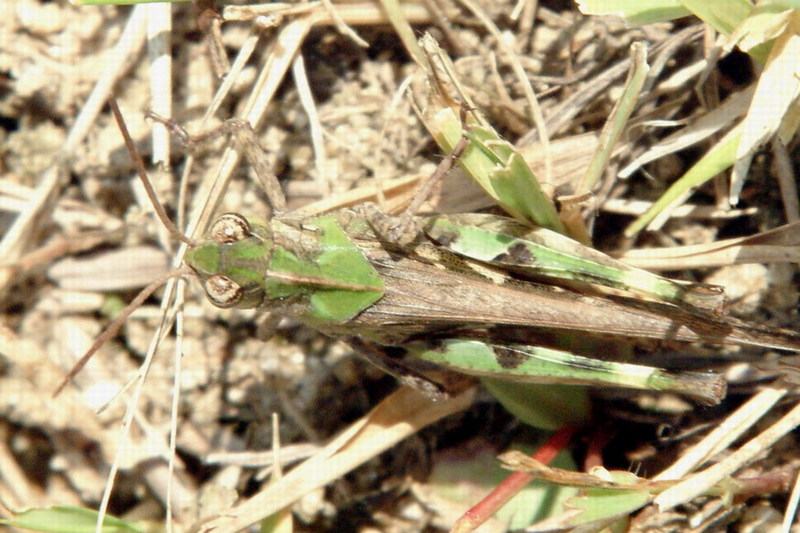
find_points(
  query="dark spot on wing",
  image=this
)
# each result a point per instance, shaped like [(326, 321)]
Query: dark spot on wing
[(447, 238), (437, 345), (508, 357), (517, 254)]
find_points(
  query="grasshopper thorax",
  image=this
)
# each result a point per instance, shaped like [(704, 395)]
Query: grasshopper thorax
[(231, 261)]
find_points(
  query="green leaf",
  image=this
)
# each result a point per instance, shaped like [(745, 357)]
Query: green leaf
[(722, 16), (498, 168), (542, 406), (636, 12), (467, 475), (68, 519)]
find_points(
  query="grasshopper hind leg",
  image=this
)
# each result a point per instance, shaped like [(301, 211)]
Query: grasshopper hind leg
[(378, 356)]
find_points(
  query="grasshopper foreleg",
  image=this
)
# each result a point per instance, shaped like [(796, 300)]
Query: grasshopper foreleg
[(247, 141)]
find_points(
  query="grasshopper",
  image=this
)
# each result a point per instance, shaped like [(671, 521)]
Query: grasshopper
[(475, 293), (338, 274)]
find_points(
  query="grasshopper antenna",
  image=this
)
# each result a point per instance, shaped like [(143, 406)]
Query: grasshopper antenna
[(140, 170), (115, 326), (145, 293)]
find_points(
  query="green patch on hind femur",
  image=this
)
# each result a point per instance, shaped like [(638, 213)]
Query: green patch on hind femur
[(536, 364)]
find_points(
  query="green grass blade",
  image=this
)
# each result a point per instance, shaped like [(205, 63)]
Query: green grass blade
[(717, 159), (636, 12), (68, 519), (619, 117), (403, 29), (498, 168)]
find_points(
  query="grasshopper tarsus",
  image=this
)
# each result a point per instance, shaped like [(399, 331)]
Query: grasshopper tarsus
[(178, 131), (187, 139)]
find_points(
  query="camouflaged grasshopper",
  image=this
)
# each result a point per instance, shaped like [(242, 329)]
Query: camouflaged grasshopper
[(339, 275), (475, 293)]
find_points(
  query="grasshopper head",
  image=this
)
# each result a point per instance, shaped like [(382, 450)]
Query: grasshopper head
[(232, 260)]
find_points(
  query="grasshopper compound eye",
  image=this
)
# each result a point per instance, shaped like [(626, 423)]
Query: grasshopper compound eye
[(229, 228), (223, 291)]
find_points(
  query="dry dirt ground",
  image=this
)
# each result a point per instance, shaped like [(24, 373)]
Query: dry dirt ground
[(79, 240)]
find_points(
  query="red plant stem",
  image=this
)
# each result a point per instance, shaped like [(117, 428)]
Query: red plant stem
[(511, 485)]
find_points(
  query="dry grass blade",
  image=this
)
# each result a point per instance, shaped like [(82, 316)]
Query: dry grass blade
[(623, 206), (354, 14), (70, 413), (698, 483), (394, 195), (791, 507), (731, 429), (459, 193), (114, 270), (787, 181), (705, 126), (159, 30), (278, 61), (779, 245), (400, 415), (771, 111), (307, 99), (16, 239)]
